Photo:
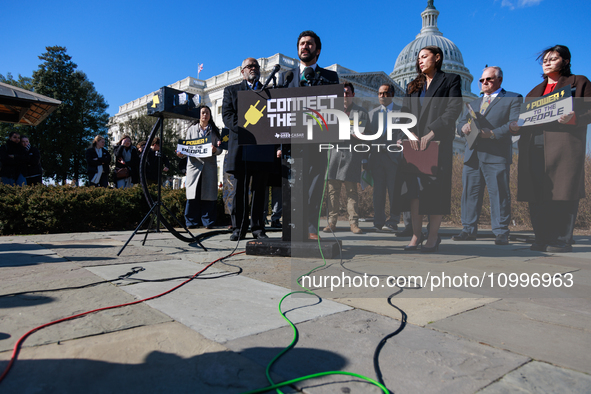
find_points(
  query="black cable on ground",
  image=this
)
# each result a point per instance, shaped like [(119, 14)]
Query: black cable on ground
[(127, 277), (133, 271), (376, 355)]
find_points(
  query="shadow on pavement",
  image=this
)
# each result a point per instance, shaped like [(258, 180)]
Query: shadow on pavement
[(216, 372)]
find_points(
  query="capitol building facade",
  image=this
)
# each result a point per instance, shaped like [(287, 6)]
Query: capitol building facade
[(210, 91)]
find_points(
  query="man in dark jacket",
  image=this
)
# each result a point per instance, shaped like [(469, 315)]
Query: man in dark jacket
[(309, 47), (249, 164), (32, 170), (152, 168), (13, 157)]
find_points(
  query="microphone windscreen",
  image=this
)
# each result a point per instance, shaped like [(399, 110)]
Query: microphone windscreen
[(309, 73)]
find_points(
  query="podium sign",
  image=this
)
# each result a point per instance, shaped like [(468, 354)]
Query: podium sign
[(289, 116)]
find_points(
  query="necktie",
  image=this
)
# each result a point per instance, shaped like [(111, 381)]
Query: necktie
[(485, 104)]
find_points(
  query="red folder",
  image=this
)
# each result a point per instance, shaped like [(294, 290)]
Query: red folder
[(421, 161)]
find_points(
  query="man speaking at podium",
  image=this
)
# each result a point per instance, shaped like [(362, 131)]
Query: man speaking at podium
[(310, 74)]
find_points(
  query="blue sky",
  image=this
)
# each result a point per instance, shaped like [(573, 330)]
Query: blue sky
[(131, 48)]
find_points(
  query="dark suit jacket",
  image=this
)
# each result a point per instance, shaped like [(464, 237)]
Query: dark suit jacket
[(441, 107), (502, 110), (344, 165), (259, 157), (564, 148), (374, 116), (93, 161), (295, 82)]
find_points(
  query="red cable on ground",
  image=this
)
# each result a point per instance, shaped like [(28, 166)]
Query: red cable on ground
[(22, 339)]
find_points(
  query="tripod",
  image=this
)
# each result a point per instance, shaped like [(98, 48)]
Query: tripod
[(155, 212)]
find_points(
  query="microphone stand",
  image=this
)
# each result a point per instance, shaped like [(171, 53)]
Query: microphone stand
[(155, 206)]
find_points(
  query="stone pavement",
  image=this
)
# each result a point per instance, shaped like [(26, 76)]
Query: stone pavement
[(216, 334)]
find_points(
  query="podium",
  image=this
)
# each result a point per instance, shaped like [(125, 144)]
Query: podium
[(294, 120)]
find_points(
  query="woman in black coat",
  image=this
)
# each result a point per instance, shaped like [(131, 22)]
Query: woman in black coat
[(435, 98), (97, 162)]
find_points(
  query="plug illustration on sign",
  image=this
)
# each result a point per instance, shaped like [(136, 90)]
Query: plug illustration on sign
[(253, 115)]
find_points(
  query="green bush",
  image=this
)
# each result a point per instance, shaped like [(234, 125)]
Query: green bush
[(63, 209)]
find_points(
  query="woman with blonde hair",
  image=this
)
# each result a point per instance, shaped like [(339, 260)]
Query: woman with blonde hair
[(97, 162)]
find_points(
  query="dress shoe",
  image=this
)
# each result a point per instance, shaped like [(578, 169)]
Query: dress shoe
[(209, 227), (236, 236), (426, 249), (260, 235), (463, 236), (502, 239), (558, 247), (313, 236), (276, 224), (389, 228), (408, 248), (407, 232), (538, 247), (193, 226), (331, 228)]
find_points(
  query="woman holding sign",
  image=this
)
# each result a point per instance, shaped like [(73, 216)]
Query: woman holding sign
[(435, 98), (201, 182), (551, 165)]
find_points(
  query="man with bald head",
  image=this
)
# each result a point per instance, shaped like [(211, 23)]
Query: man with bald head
[(250, 164), (489, 162)]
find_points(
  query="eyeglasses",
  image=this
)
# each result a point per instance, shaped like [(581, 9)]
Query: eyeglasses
[(251, 66), (489, 79)]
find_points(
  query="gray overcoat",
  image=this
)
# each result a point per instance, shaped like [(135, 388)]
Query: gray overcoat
[(205, 167)]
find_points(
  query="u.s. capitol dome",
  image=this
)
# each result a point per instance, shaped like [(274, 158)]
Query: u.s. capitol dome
[(453, 62)]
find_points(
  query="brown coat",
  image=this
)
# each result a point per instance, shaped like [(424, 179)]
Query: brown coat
[(564, 148)]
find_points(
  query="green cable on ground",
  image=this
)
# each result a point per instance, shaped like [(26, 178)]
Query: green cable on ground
[(316, 375), (276, 386)]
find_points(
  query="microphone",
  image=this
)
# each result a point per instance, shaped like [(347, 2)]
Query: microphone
[(288, 78), (254, 84), (320, 80), (270, 77), (308, 77)]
